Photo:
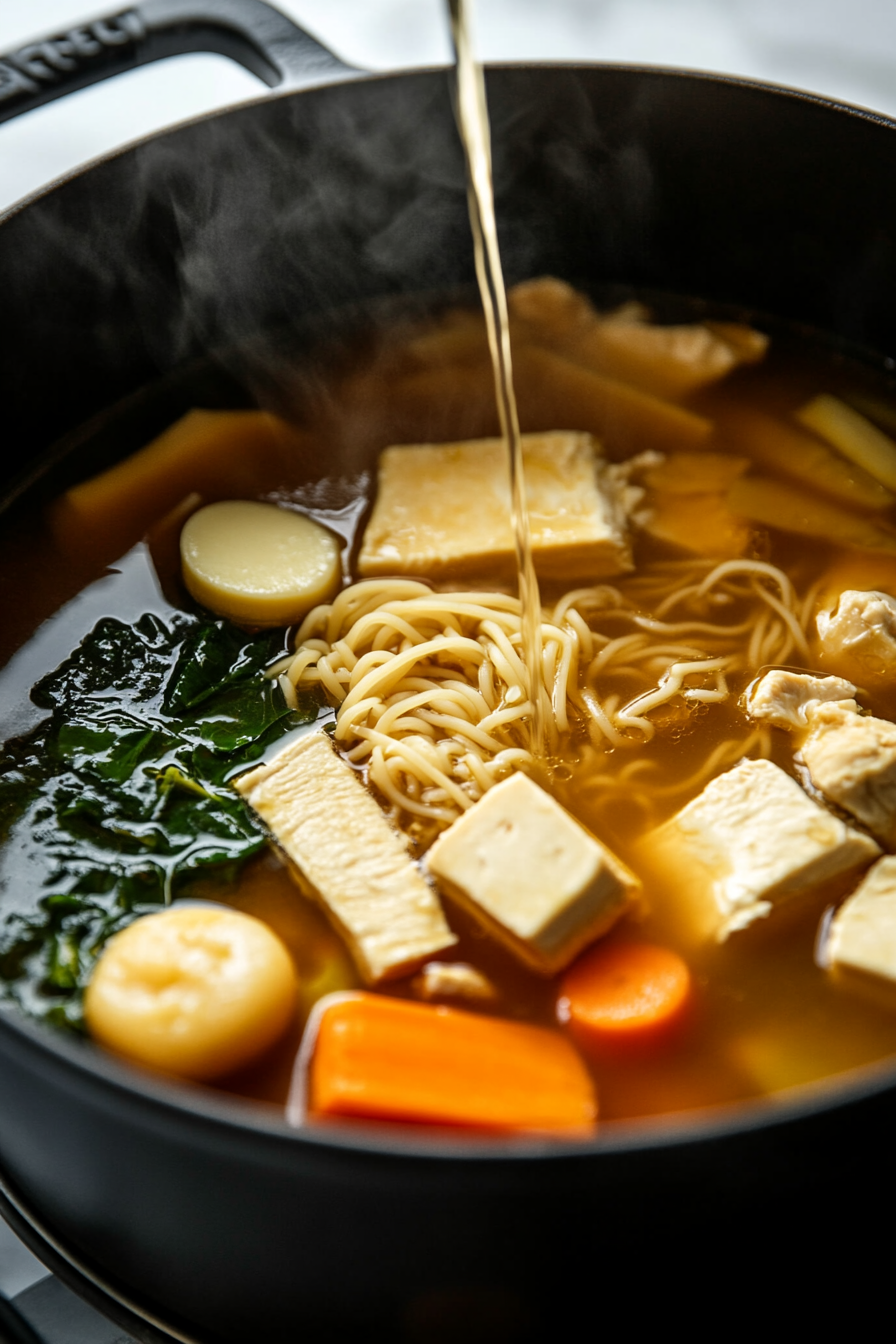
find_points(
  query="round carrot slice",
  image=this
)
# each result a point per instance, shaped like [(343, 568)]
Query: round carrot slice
[(625, 994)]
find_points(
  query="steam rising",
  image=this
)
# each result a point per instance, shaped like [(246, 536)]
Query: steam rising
[(249, 233)]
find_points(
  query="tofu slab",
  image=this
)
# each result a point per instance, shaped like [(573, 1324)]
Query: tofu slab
[(541, 883), (444, 509), (862, 936), (851, 759), (751, 840), (355, 864)]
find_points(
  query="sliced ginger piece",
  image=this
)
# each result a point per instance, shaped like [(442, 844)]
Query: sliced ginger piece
[(788, 450), (699, 524), (694, 473), (556, 392), (258, 564), (792, 509), (854, 436)]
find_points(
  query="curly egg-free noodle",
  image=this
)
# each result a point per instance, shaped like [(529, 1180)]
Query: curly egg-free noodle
[(430, 687)]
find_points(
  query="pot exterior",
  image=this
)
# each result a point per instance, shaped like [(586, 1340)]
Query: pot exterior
[(246, 1234), (300, 211)]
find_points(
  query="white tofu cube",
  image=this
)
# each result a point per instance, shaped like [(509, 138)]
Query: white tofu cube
[(782, 698), (862, 936), (751, 840), (349, 856), (444, 509), (851, 759), (859, 634), (541, 883)]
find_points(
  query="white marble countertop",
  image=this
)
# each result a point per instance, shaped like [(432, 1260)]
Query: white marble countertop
[(843, 48)]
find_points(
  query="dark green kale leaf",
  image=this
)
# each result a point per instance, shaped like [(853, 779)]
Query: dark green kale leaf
[(122, 796)]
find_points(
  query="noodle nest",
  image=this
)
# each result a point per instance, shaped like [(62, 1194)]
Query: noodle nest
[(431, 691)]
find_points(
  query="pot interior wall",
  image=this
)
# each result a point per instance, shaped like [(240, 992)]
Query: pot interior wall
[(279, 214)]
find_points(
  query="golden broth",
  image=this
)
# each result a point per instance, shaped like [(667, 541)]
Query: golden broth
[(765, 1016)]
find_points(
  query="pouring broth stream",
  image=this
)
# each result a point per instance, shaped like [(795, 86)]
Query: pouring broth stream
[(473, 125)]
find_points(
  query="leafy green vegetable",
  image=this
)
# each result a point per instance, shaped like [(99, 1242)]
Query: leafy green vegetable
[(122, 796)]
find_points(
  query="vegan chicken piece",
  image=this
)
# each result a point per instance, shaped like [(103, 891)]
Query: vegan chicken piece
[(850, 756), (857, 637), (851, 759), (750, 841), (783, 698)]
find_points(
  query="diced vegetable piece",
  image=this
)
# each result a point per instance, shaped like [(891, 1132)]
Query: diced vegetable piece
[(258, 564), (777, 504), (445, 509), (787, 450), (856, 437), (695, 473), (699, 524), (389, 1059), (625, 994), (218, 454), (542, 884), (554, 392), (193, 991)]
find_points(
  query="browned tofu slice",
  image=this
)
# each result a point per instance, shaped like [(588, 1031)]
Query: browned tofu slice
[(444, 509), (349, 856)]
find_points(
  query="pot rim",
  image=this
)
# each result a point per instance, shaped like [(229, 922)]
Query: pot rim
[(229, 1114), (225, 1113), (348, 76)]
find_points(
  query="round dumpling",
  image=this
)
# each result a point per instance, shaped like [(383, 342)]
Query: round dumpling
[(193, 991), (258, 564)]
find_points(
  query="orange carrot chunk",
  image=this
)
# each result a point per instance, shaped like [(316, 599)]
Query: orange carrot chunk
[(625, 994), (388, 1059)]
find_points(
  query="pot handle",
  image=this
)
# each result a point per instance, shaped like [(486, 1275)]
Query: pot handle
[(252, 32)]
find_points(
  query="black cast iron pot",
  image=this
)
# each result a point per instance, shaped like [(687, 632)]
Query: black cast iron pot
[(194, 251)]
